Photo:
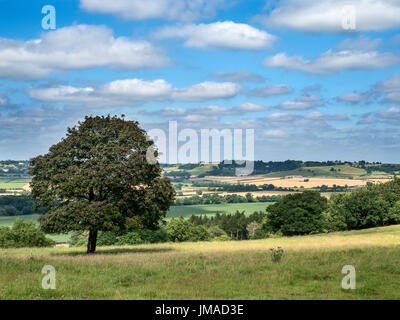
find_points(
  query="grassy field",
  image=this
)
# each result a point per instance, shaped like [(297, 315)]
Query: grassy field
[(9, 221), (175, 211), (310, 269), (13, 183), (212, 209)]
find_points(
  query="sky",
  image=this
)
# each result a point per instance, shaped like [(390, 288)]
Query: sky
[(315, 80)]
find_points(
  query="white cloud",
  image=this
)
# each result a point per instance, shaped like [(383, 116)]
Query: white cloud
[(250, 107), (73, 48), (135, 91), (138, 89), (199, 118), (334, 61), (282, 117), (352, 97), (206, 91), (392, 113), (327, 117), (270, 91), (362, 44), (183, 10), (227, 35), (279, 134), (390, 88), (327, 15), (238, 76), (297, 105)]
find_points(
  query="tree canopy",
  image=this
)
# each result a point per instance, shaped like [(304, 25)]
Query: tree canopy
[(97, 178), (297, 214)]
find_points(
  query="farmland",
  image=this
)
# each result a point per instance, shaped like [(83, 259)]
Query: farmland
[(310, 269), (296, 182)]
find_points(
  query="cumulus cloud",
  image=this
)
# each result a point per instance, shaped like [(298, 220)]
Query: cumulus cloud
[(297, 105), (238, 76), (334, 61), (270, 91), (389, 88), (134, 92), (352, 97), (392, 113), (279, 134), (282, 117), (327, 15), (75, 48), (206, 91), (225, 35), (183, 10), (326, 117), (212, 110), (250, 107)]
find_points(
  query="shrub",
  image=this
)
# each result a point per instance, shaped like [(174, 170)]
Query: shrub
[(23, 234), (276, 254), (180, 229), (223, 237), (260, 233), (109, 238), (216, 232)]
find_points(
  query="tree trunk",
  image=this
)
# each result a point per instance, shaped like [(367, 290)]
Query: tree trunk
[(91, 246)]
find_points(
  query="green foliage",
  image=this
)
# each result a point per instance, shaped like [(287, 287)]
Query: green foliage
[(180, 229), (110, 238), (23, 234), (98, 179), (234, 225), (367, 207), (216, 232), (17, 205), (297, 214)]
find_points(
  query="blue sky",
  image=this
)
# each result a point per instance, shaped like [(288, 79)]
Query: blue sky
[(311, 87)]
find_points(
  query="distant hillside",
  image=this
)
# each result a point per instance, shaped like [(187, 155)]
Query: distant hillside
[(338, 169), (12, 168)]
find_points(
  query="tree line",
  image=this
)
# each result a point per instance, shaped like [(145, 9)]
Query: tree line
[(214, 198)]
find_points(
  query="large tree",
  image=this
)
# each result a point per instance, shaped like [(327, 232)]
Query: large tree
[(98, 179), (297, 214)]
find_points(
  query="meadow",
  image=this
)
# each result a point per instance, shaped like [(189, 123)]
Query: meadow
[(9, 221), (212, 209), (310, 269), (174, 212)]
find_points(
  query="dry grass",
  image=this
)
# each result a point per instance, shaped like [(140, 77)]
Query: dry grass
[(290, 182), (310, 269)]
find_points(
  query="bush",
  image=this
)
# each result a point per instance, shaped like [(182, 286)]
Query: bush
[(297, 214), (216, 232), (276, 254), (109, 238), (23, 234), (260, 232), (223, 237), (180, 229)]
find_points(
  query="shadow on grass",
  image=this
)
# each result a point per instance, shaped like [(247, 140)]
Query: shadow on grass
[(112, 251)]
